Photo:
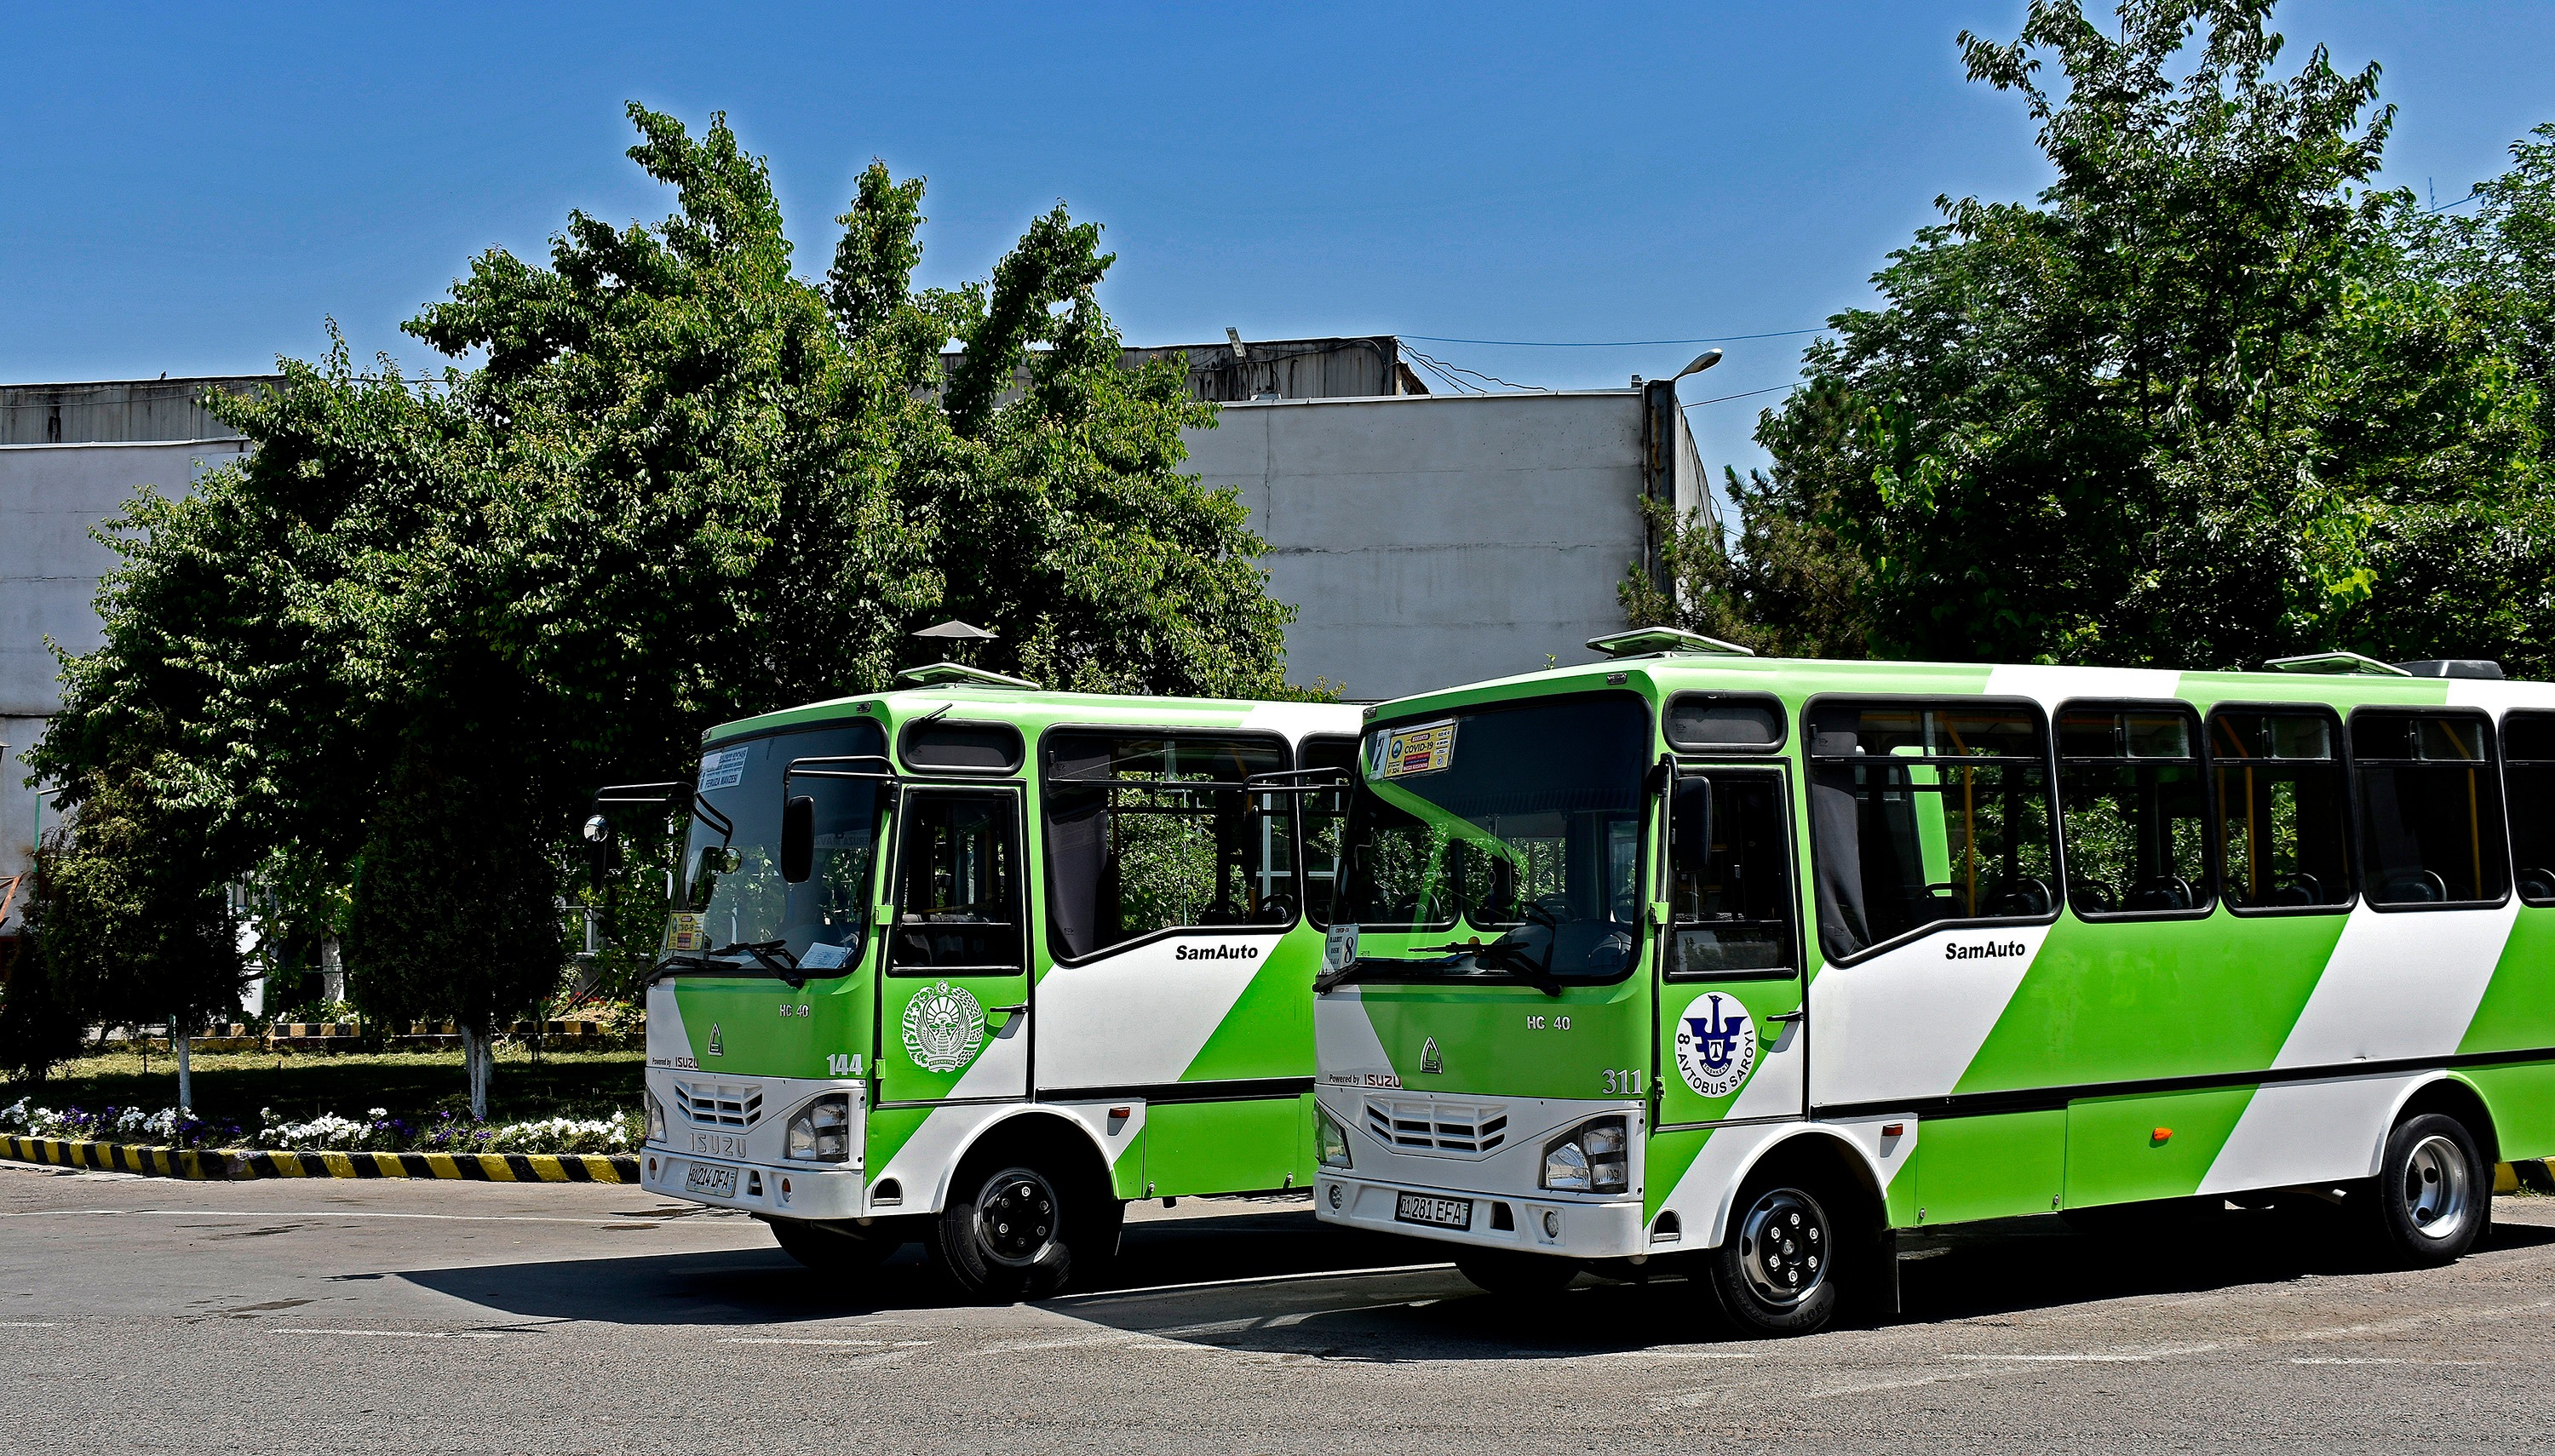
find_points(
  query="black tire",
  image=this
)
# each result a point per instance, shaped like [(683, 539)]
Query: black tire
[(1777, 1271), (2433, 1197), (834, 1248), (1507, 1271), (1018, 1226)]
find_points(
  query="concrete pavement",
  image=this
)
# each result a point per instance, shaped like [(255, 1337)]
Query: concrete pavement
[(146, 1314)]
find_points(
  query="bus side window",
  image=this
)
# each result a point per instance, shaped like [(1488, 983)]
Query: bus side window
[(1149, 832), (2432, 824), (1734, 914), (1324, 815), (2134, 810), (958, 903), (1924, 814), (2529, 769), (2283, 828)]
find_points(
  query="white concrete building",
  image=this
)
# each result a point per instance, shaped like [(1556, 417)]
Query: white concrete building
[(71, 456), (1430, 539)]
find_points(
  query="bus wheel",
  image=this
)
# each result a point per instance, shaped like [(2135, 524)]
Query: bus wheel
[(1015, 1229), (2434, 1192), (1505, 1271), (833, 1248), (1775, 1270)]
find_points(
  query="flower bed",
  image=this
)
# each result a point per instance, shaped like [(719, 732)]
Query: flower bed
[(376, 1132)]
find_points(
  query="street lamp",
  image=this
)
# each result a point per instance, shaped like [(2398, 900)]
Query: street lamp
[(1702, 362)]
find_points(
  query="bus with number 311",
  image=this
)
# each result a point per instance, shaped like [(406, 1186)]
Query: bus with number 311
[(1762, 963)]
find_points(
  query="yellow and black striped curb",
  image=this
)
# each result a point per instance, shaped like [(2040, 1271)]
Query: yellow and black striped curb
[(2531, 1174), (236, 1163)]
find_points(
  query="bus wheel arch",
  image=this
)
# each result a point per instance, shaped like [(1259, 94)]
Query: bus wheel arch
[(1027, 1210), (1841, 1157), (2431, 1199), (2449, 1095), (1845, 1196)]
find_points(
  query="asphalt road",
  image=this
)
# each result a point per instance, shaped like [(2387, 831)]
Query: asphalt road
[(144, 1314)]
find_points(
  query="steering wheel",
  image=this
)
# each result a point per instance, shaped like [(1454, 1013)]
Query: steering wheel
[(1552, 910), (2094, 896)]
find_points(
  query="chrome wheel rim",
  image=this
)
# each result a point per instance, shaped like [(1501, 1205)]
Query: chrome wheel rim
[(1015, 1216), (2437, 1187), (1783, 1247)]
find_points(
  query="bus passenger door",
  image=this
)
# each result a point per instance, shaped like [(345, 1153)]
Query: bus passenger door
[(1733, 1033), (953, 1013)]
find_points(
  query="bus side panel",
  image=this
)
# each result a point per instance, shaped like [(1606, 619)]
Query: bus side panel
[(1998, 1167), (1226, 1146), (2127, 1000), (2517, 1012), (1269, 1033), (2522, 1100), (2122, 1150)]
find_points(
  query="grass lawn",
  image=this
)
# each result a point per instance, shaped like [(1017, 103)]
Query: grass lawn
[(416, 1085)]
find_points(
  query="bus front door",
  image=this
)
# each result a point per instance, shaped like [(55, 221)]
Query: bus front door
[(954, 1023), (1732, 1020)]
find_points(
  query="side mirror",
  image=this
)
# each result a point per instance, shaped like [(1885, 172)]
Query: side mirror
[(797, 839), (598, 842), (1690, 825)]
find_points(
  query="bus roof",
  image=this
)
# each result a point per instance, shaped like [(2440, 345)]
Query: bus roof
[(1037, 708), (1794, 678)]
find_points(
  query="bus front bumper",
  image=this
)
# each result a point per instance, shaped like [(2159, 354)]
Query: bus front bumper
[(1569, 1229), (813, 1192)]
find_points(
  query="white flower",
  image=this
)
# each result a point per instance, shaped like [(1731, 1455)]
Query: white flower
[(376, 1112)]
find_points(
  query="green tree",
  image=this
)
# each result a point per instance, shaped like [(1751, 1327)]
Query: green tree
[(128, 930), (416, 627), (2209, 399)]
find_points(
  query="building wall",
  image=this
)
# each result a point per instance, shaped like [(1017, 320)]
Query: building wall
[(51, 497), (1432, 539)]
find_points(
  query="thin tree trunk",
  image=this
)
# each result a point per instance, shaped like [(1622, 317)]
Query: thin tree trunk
[(474, 1058), (184, 1046)]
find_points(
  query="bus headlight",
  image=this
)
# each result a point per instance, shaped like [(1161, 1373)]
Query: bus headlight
[(821, 1132), (1330, 1140), (656, 1119), (1589, 1159)]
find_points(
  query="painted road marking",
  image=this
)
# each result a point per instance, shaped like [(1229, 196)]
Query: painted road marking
[(404, 1334), (1294, 1278)]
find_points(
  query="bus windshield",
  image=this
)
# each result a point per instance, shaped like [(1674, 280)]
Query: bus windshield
[(730, 894), (1516, 828)]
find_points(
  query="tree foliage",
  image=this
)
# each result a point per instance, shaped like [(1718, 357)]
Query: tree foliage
[(2209, 399), (412, 632)]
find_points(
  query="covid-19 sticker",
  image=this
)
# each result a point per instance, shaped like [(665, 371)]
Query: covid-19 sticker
[(1424, 748)]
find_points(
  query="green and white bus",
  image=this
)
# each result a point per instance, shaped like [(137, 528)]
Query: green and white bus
[(973, 964), (1766, 961)]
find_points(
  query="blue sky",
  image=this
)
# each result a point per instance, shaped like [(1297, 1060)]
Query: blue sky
[(194, 190)]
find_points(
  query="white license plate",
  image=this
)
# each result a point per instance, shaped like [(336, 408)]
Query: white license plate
[(719, 1145), (1444, 1213), (718, 1182)]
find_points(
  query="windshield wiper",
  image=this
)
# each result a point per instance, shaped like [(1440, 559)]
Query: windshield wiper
[(770, 955), (1508, 957), (1358, 968)]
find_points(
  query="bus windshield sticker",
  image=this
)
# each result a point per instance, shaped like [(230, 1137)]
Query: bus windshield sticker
[(688, 933), (724, 769), (824, 957), (1427, 748)]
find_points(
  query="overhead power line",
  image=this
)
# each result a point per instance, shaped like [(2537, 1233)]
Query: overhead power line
[(1719, 339), (1769, 389)]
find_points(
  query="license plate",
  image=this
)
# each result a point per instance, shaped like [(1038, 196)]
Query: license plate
[(1444, 1213), (719, 1145), (718, 1182)]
